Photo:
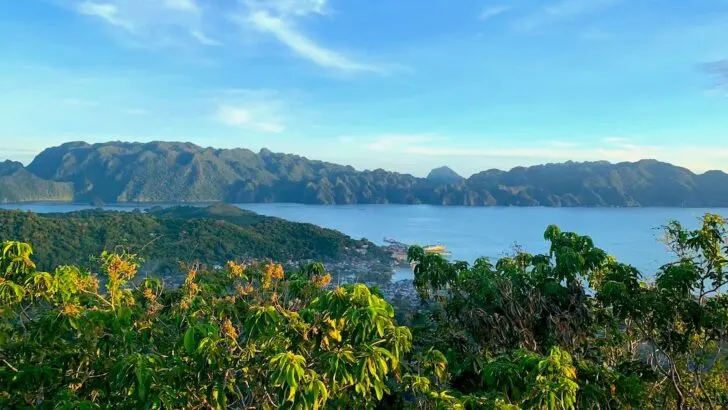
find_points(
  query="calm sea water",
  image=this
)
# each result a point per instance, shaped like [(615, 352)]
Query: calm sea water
[(632, 235)]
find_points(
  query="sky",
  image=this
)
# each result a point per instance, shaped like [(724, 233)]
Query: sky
[(405, 85)]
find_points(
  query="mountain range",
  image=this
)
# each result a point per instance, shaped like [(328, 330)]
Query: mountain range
[(184, 172)]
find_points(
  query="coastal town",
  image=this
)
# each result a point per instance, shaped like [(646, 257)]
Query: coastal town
[(372, 271)]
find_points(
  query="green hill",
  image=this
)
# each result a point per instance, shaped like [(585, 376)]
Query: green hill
[(174, 171), (19, 185), (164, 237)]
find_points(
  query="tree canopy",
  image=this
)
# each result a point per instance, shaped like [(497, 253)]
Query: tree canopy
[(570, 329), (210, 235)]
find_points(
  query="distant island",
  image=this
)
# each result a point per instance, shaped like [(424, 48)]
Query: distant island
[(176, 172), (211, 235)]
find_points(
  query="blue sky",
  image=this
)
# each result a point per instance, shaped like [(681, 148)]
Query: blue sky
[(405, 85)]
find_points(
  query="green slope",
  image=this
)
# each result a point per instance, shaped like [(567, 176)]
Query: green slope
[(19, 185), (172, 172), (164, 237)]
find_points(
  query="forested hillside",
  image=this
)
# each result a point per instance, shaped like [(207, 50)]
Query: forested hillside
[(19, 185), (571, 329), (165, 237), (174, 172)]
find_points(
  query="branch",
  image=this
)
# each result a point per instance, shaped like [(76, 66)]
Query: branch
[(709, 291), (10, 366)]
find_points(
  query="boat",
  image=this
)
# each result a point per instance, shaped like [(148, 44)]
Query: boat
[(434, 248), (399, 247)]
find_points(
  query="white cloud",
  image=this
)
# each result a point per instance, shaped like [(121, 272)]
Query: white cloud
[(203, 38), (399, 141), (493, 11), (561, 144), (278, 18), (151, 22), (289, 7), (430, 148), (719, 69), (239, 116), (563, 10), (304, 46), (270, 127), (179, 22), (185, 5), (387, 142), (615, 140), (105, 11), (233, 116)]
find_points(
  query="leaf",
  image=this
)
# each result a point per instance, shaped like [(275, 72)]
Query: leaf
[(142, 376), (378, 391), (380, 328), (124, 315), (189, 341), (220, 398)]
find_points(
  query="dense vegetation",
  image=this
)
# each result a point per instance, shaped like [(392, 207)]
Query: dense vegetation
[(19, 185), (172, 172), (164, 237), (570, 329)]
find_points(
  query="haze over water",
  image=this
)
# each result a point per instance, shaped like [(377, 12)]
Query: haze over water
[(630, 234)]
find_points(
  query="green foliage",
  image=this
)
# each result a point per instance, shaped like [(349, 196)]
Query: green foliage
[(576, 328), (571, 329), (237, 338), (166, 237)]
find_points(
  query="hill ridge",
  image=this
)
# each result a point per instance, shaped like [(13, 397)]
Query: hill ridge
[(168, 171)]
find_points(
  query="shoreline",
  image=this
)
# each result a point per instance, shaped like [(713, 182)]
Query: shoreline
[(150, 204)]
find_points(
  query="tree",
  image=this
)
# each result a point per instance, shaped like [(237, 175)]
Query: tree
[(680, 322), (245, 336), (632, 344), (570, 329)]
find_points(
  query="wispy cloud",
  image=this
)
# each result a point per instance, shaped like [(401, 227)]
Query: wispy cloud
[(385, 142), (107, 12), (493, 11), (615, 140), (203, 38), (561, 11), (719, 70), (278, 18), (615, 149), (183, 22), (184, 5), (561, 144), (304, 46), (258, 110), (290, 7), (397, 141), (150, 21), (237, 116)]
